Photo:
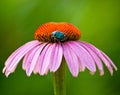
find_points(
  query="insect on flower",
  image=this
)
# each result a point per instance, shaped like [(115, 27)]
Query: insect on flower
[(55, 41), (58, 36)]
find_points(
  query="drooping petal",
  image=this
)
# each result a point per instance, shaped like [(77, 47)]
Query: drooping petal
[(38, 62), (103, 57), (83, 55), (11, 57), (95, 57), (109, 60), (16, 56), (35, 54), (29, 60), (24, 64), (36, 68), (56, 57), (81, 64), (45, 59), (71, 59)]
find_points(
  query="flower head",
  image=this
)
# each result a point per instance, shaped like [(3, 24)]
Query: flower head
[(55, 41)]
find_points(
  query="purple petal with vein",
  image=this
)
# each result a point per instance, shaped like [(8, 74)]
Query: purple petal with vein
[(71, 59), (35, 58), (103, 57), (29, 60), (109, 60), (45, 59), (25, 59), (81, 64), (56, 57), (16, 56), (95, 57), (36, 53), (83, 56)]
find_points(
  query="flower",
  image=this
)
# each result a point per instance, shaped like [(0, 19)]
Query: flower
[(55, 41)]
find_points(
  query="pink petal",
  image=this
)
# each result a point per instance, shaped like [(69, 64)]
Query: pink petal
[(16, 56), (103, 57), (83, 55), (29, 59), (95, 57), (24, 64), (11, 57), (71, 59), (81, 64), (56, 57), (45, 59), (109, 60), (36, 68), (35, 55)]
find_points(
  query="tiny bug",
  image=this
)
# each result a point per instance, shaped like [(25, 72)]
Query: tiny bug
[(58, 36)]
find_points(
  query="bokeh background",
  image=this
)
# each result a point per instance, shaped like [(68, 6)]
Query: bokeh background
[(99, 22)]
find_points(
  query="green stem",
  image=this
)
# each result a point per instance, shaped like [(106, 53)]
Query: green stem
[(59, 81)]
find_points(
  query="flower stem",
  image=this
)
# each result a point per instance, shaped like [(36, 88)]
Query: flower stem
[(59, 80)]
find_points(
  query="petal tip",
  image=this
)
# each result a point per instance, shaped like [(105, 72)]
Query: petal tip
[(28, 73), (92, 73), (75, 75), (7, 73), (82, 70), (115, 68), (101, 72), (3, 71), (53, 70), (111, 73)]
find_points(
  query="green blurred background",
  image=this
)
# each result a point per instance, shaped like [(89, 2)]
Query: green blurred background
[(99, 22)]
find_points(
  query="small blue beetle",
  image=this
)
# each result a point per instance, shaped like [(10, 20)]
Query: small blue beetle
[(58, 36)]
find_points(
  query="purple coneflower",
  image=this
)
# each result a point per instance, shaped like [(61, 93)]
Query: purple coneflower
[(55, 41)]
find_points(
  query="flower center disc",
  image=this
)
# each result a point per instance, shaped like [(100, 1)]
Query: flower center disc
[(57, 32)]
